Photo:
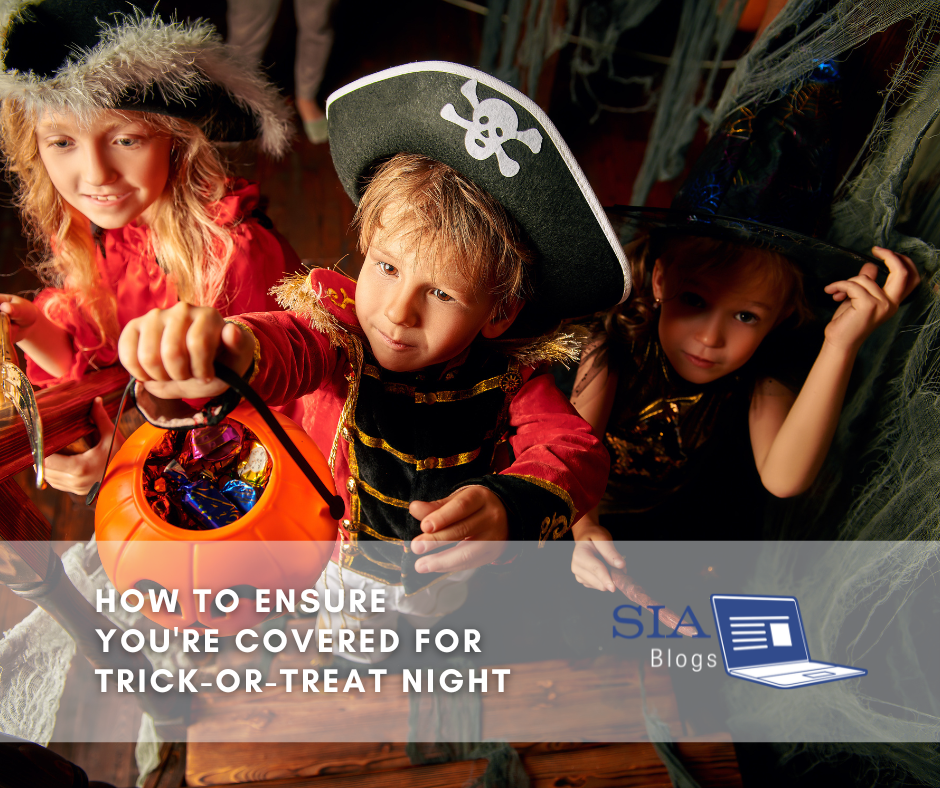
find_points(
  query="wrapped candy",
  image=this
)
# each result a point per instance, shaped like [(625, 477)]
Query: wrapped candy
[(255, 464), (206, 478), (242, 494), (201, 499), (206, 441)]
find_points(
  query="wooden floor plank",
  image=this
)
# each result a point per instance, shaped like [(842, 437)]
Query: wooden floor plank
[(226, 763), (633, 765), (543, 701)]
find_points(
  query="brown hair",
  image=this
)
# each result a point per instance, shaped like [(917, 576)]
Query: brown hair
[(688, 255), (191, 247), (434, 208)]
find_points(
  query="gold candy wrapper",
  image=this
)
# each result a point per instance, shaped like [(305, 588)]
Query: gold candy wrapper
[(255, 464)]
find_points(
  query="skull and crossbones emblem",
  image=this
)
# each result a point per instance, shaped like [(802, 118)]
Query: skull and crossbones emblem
[(494, 122)]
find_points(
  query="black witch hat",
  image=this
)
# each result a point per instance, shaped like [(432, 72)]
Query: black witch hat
[(83, 56), (503, 142), (766, 180)]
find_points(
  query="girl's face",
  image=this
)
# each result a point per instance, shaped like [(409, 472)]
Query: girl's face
[(110, 170), (711, 323)]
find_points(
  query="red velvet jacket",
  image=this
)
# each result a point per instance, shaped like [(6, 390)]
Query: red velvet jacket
[(484, 418), (129, 269)]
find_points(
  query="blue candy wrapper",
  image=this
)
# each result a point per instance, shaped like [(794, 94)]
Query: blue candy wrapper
[(242, 494), (199, 498)]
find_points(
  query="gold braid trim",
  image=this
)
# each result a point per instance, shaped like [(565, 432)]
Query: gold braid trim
[(295, 295), (354, 352), (561, 346), (554, 489)]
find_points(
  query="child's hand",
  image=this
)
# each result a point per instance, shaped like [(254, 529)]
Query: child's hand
[(172, 351), (865, 306), (473, 517), (593, 546), (23, 315), (79, 472)]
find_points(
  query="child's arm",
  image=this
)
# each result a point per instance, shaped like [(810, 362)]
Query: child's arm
[(594, 545), (47, 344), (790, 437), (172, 352), (559, 472)]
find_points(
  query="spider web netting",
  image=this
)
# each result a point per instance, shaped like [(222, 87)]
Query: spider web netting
[(684, 95), (881, 479)]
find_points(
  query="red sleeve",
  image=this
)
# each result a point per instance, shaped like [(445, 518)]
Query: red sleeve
[(88, 349), (560, 468), (294, 359), (261, 259)]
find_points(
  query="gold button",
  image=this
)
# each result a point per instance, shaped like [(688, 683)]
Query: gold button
[(430, 398), (345, 523), (346, 548), (351, 484), (450, 375), (430, 462), (347, 435)]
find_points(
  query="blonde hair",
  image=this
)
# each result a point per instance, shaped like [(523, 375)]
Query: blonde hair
[(433, 207), (192, 249)]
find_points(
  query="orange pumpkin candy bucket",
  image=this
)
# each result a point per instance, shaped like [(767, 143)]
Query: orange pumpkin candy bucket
[(281, 544)]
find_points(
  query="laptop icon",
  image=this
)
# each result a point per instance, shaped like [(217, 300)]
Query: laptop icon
[(762, 640)]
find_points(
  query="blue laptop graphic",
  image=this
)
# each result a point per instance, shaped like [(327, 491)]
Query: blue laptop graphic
[(762, 640)]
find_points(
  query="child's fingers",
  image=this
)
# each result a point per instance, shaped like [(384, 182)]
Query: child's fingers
[(22, 313), (237, 347), (101, 420), (174, 352), (127, 349), (202, 342), (74, 473), (601, 577), (605, 546), (589, 570), (471, 514), (858, 288), (149, 345), (421, 509), (457, 507), (464, 528), (9, 306), (903, 276), (467, 554)]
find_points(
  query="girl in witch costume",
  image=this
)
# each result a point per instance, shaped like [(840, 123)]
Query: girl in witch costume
[(425, 382), (108, 124), (721, 277)]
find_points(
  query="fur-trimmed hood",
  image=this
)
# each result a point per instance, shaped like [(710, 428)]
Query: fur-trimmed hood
[(121, 57)]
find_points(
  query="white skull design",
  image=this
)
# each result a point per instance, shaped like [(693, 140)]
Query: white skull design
[(494, 122)]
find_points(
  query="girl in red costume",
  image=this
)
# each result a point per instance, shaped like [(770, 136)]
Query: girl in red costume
[(121, 187)]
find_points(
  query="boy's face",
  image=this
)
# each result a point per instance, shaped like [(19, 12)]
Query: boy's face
[(110, 170), (711, 323), (413, 316)]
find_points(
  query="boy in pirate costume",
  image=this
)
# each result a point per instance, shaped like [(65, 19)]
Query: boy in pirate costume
[(424, 381)]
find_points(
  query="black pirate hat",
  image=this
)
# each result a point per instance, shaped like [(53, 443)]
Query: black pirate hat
[(86, 55), (503, 142), (765, 180)]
